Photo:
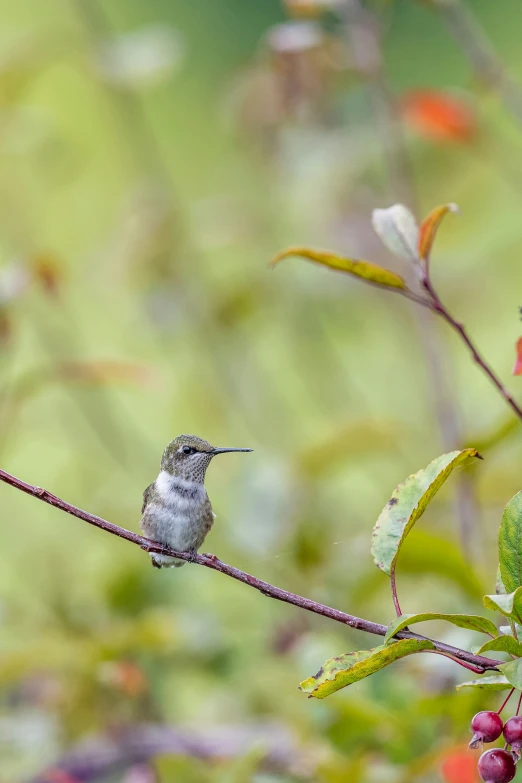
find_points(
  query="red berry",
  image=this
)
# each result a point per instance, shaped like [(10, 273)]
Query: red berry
[(486, 727), (497, 766), (513, 734), (513, 731)]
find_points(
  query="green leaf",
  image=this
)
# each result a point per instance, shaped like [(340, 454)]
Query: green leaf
[(397, 229), (510, 544), (472, 621), (363, 269), (512, 670), (407, 504), (501, 644), (509, 604), (339, 672), (493, 682)]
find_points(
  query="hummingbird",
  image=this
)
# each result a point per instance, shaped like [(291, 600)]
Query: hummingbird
[(176, 510)]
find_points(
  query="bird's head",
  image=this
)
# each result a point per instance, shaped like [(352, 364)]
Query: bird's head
[(188, 457)]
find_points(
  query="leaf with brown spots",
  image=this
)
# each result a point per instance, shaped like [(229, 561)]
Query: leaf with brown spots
[(346, 669), (407, 504)]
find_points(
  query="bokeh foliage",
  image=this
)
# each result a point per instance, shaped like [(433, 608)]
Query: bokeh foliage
[(145, 183)]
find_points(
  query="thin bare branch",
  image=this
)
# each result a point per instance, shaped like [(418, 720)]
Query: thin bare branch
[(439, 308), (479, 50), (462, 657)]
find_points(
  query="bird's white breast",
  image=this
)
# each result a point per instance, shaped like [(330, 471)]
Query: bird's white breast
[(174, 516), (178, 493)]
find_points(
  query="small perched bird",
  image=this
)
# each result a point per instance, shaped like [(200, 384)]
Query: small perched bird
[(176, 510)]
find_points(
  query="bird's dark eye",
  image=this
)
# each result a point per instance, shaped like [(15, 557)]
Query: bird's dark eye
[(187, 450)]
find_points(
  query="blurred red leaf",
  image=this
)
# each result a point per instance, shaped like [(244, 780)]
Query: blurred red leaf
[(439, 116), (460, 766), (309, 7), (102, 373), (125, 676), (517, 369), (48, 271), (430, 226), (6, 331)]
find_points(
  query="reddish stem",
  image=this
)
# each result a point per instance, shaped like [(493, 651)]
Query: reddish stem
[(519, 703), (463, 657), (510, 694), (441, 310)]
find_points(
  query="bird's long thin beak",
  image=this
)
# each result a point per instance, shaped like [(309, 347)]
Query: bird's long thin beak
[(224, 451)]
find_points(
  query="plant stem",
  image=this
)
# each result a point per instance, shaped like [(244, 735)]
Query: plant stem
[(363, 34), (518, 705), (441, 310), (510, 694), (463, 657), (394, 591), (484, 59)]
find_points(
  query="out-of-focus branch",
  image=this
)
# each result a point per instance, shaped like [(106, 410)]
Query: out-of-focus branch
[(365, 41), (476, 46), (438, 307), (476, 663), (114, 752)]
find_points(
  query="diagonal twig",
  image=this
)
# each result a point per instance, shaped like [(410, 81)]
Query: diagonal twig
[(477, 663)]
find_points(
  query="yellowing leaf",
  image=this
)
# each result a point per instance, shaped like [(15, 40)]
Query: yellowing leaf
[(429, 228), (366, 270), (339, 672), (407, 504)]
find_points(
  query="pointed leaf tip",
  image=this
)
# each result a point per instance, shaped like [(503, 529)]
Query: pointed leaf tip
[(430, 226), (366, 270), (407, 504), (397, 229)]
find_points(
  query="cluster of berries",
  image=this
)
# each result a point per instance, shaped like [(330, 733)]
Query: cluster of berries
[(497, 765)]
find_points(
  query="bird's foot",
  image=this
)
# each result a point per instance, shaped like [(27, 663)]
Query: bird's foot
[(192, 555)]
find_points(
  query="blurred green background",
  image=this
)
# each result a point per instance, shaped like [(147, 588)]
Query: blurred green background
[(153, 158)]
